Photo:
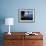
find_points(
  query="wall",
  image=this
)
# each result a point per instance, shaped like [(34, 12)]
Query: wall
[(9, 8)]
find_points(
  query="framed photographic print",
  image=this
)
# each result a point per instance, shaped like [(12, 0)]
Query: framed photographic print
[(26, 15)]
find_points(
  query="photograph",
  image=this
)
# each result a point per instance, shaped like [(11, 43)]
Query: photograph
[(26, 15)]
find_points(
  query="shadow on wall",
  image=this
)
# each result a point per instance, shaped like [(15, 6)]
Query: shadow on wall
[(2, 21)]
